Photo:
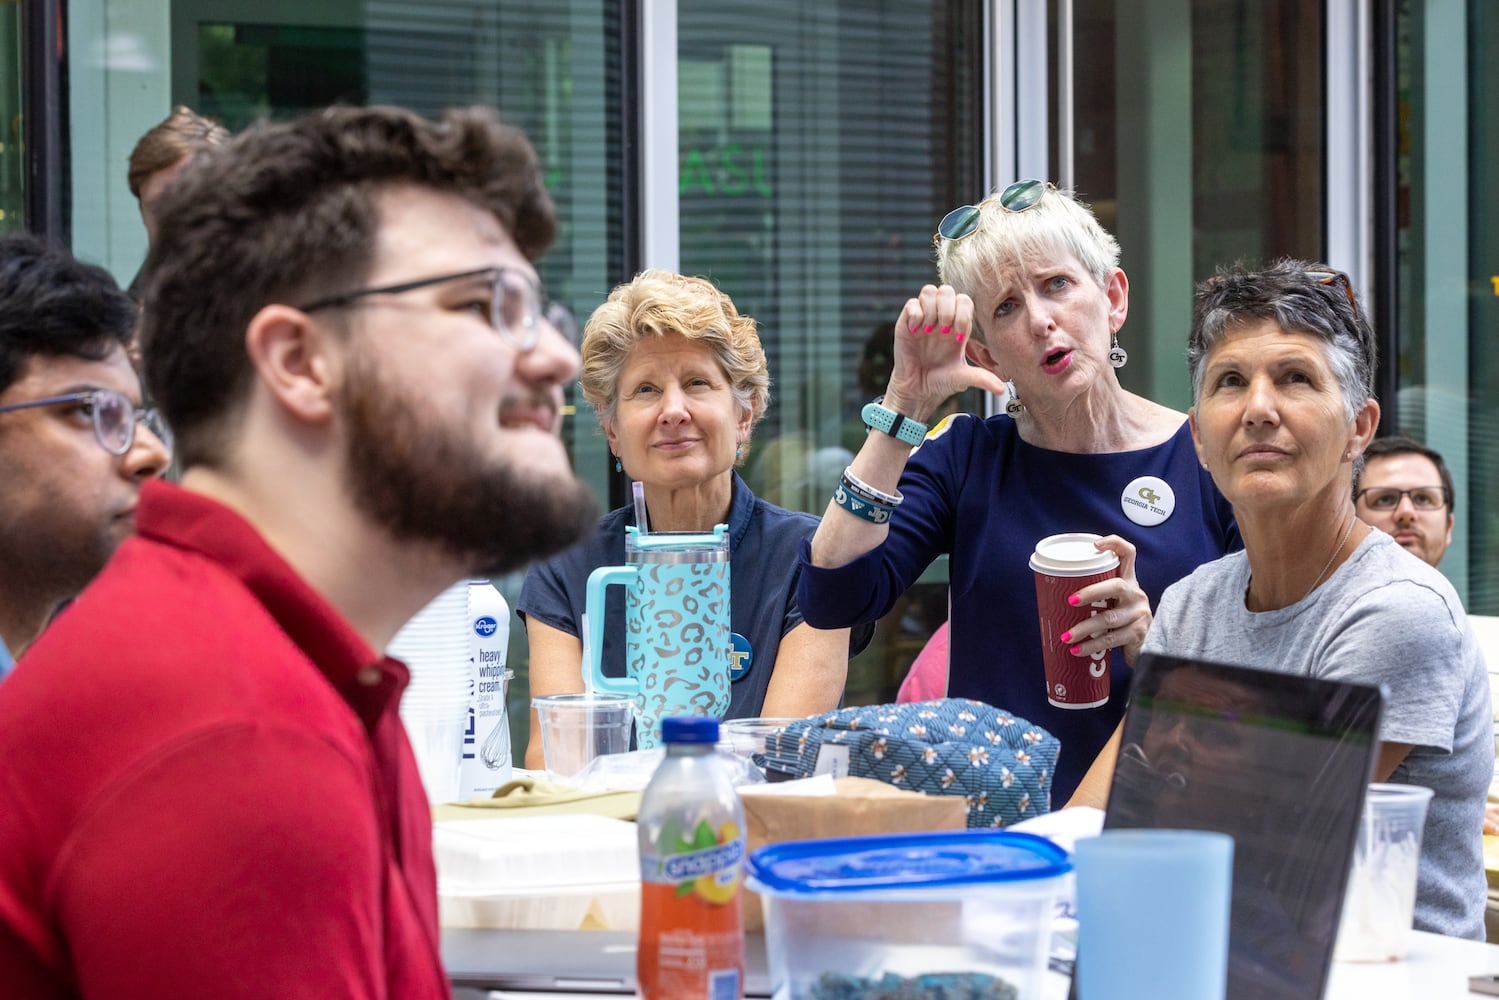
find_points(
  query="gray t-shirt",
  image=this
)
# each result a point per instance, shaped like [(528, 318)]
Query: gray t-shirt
[(1384, 617)]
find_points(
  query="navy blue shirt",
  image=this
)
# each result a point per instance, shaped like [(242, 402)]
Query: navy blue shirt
[(975, 490), (763, 570)]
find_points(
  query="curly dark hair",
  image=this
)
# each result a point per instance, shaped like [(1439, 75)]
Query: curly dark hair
[(54, 305), (285, 212)]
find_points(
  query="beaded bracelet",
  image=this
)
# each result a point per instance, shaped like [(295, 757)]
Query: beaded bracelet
[(864, 491), (874, 513)]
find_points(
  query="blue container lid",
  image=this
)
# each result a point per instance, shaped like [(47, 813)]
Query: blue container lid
[(689, 729), (906, 861)]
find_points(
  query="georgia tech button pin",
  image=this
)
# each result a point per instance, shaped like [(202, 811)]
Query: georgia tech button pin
[(1148, 501)]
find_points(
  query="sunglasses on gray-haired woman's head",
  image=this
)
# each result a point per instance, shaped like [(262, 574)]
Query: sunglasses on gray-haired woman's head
[(963, 222), (1328, 276)]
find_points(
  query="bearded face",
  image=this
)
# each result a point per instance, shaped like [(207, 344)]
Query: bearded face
[(425, 482)]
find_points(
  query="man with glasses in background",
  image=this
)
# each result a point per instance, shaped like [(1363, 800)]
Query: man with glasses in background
[(344, 326), (73, 454), (1406, 491)]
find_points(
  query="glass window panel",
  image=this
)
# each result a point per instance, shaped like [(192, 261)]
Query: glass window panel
[(552, 67), (819, 145), (1198, 141), (1448, 269), (12, 165)]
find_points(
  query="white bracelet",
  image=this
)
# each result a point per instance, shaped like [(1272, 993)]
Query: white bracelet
[(862, 489)]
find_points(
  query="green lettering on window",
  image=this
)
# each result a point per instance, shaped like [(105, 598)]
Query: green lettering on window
[(730, 169), (695, 174)]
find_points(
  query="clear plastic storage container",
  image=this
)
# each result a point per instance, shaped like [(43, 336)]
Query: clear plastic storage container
[(564, 872), (965, 913)]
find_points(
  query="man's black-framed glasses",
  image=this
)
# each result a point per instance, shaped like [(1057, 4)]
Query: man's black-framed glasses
[(1387, 498), (963, 221), (115, 417), (516, 305)]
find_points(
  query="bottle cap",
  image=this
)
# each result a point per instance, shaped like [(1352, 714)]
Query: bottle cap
[(689, 729)]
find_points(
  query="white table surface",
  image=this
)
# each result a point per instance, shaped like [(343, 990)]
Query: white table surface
[(1436, 969)]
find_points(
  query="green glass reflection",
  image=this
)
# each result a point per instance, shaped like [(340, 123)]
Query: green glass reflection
[(12, 162), (818, 146)]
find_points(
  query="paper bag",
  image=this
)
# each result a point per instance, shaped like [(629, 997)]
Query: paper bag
[(861, 807)]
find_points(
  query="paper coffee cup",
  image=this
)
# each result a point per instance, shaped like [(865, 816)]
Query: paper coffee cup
[(1063, 565)]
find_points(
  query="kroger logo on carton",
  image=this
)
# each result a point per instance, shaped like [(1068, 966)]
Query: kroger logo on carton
[(485, 625)]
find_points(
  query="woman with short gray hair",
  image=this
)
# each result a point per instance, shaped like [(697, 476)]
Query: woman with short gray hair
[(1282, 365)]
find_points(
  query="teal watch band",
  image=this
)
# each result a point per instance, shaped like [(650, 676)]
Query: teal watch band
[(882, 418)]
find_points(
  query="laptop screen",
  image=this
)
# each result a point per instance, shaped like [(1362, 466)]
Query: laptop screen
[(1280, 762)]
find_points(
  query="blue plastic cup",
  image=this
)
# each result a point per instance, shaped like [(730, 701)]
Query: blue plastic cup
[(1152, 912)]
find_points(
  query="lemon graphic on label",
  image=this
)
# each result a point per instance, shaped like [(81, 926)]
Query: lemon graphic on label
[(720, 887)]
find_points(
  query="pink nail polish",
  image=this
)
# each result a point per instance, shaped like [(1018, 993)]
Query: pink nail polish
[(913, 327), (929, 328), (1072, 600), (947, 329), (961, 337), (1066, 637), (1074, 650)]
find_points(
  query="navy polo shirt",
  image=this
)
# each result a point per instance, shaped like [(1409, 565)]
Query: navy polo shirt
[(763, 570)]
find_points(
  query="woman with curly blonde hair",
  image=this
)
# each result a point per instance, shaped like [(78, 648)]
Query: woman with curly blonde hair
[(679, 380)]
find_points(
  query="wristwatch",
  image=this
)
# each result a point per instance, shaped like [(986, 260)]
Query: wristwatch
[(882, 418)]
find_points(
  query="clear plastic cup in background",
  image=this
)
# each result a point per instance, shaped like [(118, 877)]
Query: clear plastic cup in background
[(746, 737), (437, 743), (1380, 905), (576, 728)]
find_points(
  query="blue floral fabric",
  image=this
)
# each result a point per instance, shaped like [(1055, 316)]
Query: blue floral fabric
[(1001, 764)]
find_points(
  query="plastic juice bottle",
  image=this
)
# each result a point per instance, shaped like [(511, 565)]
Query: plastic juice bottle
[(691, 866)]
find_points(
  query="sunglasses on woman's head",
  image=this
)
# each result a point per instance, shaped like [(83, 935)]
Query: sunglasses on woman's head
[(964, 221), (1330, 277)]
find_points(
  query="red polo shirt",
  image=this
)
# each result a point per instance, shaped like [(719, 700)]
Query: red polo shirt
[(205, 789)]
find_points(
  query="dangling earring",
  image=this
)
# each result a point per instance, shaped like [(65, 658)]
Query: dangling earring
[(1118, 356), (1013, 405), (618, 467), (738, 453)]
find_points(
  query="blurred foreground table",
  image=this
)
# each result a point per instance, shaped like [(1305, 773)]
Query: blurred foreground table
[(1437, 969)]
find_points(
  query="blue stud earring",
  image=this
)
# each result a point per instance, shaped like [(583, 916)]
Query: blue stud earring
[(617, 466)]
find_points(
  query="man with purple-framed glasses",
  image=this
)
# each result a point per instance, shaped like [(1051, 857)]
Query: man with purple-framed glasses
[(72, 451)]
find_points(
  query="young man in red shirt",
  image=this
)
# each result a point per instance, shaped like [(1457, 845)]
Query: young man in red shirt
[(207, 789)]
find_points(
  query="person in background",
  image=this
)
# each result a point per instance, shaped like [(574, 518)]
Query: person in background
[(1282, 365), (1405, 490), (678, 379), (163, 152), (75, 442), (207, 787), (927, 678), (1032, 294)]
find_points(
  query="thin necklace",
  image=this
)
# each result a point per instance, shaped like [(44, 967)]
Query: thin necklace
[(1352, 520)]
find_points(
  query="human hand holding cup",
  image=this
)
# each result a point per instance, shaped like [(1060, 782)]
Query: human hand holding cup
[(1063, 565)]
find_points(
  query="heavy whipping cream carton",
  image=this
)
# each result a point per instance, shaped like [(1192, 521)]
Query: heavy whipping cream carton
[(486, 743)]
